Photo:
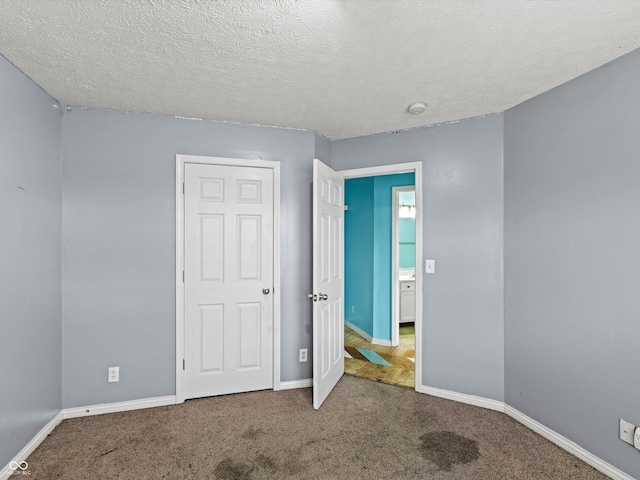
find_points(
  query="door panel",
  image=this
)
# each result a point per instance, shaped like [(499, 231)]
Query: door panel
[(212, 240), (228, 262), (211, 335), (249, 318), (328, 282), (248, 238)]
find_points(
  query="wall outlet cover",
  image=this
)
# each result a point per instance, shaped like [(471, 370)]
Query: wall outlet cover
[(429, 266), (304, 354), (114, 374), (626, 431), (636, 438)]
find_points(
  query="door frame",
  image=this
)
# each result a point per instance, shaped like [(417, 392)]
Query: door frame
[(395, 262), (181, 160), (415, 167)]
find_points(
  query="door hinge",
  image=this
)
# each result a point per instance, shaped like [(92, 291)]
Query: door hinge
[(183, 364), (182, 276), (183, 188)]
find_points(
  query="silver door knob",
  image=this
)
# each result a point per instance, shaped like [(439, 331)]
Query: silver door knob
[(323, 296), (265, 291)]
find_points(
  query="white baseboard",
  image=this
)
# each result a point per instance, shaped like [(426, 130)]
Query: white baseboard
[(6, 472), (568, 445), (291, 384), (359, 331), (102, 408), (366, 336), (464, 398), (22, 455), (537, 427)]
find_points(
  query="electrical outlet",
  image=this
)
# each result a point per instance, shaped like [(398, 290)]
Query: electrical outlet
[(626, 431), (114, 374), (303, 354), (636, 438)]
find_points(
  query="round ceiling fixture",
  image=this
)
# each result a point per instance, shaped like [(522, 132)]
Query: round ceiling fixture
[(417, 108)]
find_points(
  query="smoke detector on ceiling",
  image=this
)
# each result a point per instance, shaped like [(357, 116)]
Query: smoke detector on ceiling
[(416, 108)]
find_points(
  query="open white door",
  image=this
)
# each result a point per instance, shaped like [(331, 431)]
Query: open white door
[(328, 280)]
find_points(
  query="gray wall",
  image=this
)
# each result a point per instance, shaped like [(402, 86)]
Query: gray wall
[(463, 222), (119, 245), (322, 149), (30, 312), (571, 233), (572, 258)]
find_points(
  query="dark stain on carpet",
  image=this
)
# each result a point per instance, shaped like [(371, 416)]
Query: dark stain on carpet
[(230, 470), (291, 464), (447, 449), (251, 433), (267, 463)]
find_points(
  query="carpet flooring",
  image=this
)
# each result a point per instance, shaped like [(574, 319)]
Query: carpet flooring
[(364, 430)]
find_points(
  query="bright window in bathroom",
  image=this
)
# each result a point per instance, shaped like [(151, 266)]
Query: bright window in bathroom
[(407, 230)]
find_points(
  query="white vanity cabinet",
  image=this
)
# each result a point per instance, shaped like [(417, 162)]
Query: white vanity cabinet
[(407, 301)]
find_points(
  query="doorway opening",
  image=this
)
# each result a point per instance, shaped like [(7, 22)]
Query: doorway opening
[(329, 269), (381, 255)]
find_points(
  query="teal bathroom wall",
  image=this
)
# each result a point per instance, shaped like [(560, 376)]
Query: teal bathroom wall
[(368, 237), (382, 248), (358, 253)]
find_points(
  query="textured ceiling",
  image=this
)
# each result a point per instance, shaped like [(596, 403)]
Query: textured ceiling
[(341, 67)]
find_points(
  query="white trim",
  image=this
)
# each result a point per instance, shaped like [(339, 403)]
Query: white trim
[(563, 442), (366, 336), (567, 445), (395, 262), (275, 166), (359, 331), (83, 412), (180, 388), (419, 275), (276, 275), (291, 384), (406, 168), (103, 408), (22, 455), (380, 170), (463, 398)]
